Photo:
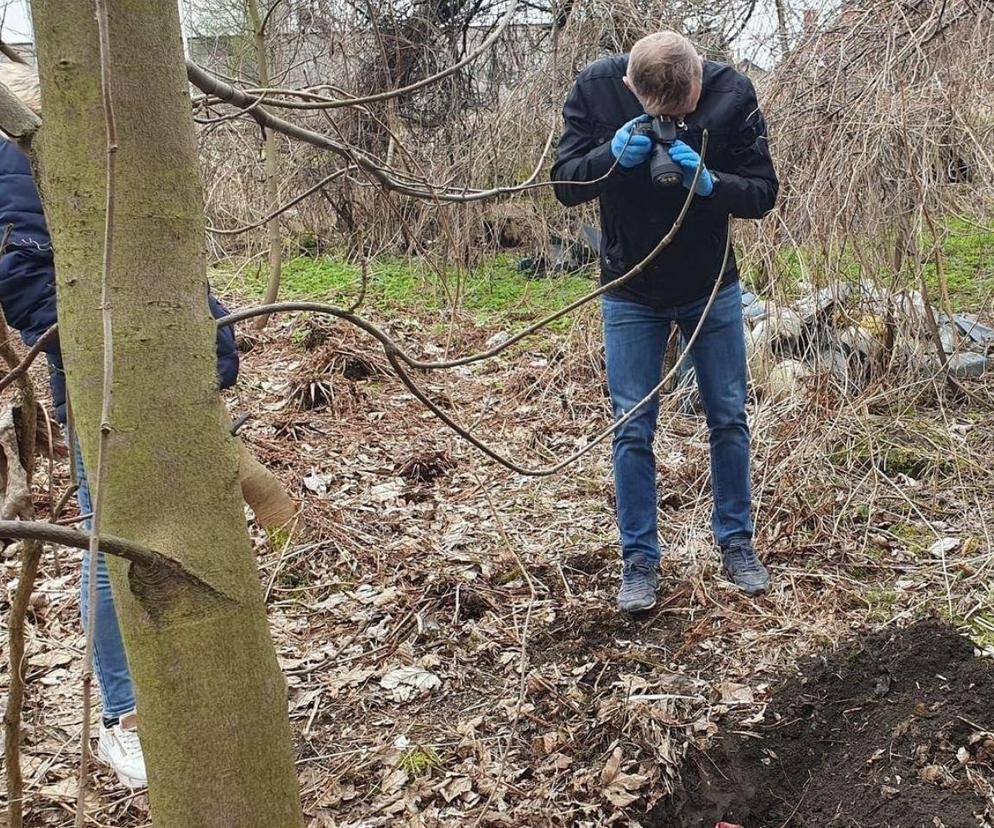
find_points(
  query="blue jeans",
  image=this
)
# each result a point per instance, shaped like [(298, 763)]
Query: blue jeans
[(110, 664), (635, 337)]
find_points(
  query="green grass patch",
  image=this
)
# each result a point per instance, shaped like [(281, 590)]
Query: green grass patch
[(419, 761), (967, 260), (968, 264), (279, 537), (882, 603), (981, 628), (492, 292), (915, 448), (916, 539)]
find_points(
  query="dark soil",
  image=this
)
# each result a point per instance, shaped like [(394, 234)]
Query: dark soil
[(866, 738)]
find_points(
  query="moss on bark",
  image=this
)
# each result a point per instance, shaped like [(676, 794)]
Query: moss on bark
[(211, 697)]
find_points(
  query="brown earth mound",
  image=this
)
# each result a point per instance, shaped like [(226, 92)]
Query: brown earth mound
[(895, 732)]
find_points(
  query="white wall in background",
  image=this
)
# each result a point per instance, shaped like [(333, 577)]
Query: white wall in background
[(15, 20)]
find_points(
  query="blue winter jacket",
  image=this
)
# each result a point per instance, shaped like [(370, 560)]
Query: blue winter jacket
[(27, 274)]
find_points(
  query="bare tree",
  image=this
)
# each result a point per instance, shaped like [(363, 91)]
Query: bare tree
[(212, 698)]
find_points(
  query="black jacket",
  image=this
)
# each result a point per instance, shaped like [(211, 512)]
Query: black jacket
[(635, 214), (27, 275)]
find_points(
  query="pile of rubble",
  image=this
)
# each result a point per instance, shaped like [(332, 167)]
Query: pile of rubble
[(842, 332)]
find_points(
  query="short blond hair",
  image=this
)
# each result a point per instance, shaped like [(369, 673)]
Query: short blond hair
[(22, 80), (664, 69)]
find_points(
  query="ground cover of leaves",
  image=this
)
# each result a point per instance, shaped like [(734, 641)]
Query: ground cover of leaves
[(447, 628)]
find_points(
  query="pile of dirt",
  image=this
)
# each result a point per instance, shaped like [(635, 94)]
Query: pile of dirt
[(894, 732)]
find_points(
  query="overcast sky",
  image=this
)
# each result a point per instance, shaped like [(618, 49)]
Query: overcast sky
[(16, 26)]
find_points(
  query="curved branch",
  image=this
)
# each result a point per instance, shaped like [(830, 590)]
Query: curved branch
[(382, 175), (269, 14), (397, 357), (547, 471), (391, 347)]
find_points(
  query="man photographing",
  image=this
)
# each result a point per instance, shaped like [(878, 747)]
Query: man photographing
[(621, 113)]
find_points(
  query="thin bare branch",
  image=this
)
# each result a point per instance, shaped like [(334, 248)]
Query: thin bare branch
[(383, 176), (30, 558), (391, 347), (21, 368), (324, 182), (321, 102), (141, 556), (100, 478)]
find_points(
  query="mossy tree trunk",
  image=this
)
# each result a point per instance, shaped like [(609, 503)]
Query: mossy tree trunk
[(212, 701)]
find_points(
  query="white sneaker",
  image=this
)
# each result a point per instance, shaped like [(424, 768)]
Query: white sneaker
[(119, 747)]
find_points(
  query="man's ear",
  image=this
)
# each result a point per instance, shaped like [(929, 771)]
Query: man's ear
[(630, 88)]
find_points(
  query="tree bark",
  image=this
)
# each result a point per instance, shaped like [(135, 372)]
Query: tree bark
[(212, 701), (781, 7), (271, 167)]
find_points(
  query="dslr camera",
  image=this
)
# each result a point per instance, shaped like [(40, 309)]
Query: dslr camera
[(664, 170)]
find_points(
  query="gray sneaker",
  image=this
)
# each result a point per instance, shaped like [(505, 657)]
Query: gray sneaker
[(638, 585), (744, 569)]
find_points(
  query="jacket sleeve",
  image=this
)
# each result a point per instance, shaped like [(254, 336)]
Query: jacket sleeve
[(227, 350), (27, 294), (748, 188), (579, 157)]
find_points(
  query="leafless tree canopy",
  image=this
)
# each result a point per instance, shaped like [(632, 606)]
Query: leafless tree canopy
[(877, 118)]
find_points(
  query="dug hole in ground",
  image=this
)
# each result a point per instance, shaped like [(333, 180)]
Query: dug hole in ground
[(892, 731)]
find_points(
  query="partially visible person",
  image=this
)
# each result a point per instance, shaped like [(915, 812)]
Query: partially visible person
[(27, 295)]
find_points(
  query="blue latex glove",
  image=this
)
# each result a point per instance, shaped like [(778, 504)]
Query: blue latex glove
[(688, 159), (631, 150)]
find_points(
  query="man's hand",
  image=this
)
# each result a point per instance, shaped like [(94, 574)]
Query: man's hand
[(631, 150), (688, 159)]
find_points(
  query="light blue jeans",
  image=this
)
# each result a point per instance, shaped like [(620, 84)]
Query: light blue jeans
[(635, 337), (110, 664)]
